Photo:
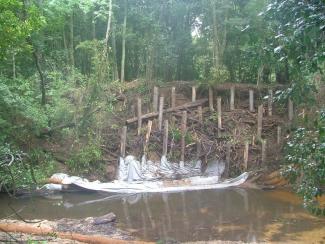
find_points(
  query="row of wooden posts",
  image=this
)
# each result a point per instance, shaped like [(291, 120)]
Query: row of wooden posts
[(158, 111)]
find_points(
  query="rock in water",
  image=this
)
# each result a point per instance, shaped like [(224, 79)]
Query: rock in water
[(107, 218)]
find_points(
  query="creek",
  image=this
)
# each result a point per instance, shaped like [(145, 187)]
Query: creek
[(232, 214)]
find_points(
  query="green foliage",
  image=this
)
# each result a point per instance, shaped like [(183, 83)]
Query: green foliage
[(305, 158), (298, 34), (13, 28), (19, 170), (176, 134), (87, 159), (20, 112), (301, 92)]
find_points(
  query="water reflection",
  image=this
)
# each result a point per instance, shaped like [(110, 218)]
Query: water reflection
[(229, 214)]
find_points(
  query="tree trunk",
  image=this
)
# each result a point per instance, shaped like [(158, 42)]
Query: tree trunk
[(150, 63), (116, 75), (93, 26), (66, 49), (13, 65), (108, 28), (71, 46), (37, 60), (215, 35), (123, 41)]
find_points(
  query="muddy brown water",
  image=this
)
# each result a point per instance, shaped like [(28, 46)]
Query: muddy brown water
[(231, 214)]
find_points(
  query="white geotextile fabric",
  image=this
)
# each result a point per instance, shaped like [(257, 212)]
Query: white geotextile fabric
[(189, 184), (148, 176), (132, 170)]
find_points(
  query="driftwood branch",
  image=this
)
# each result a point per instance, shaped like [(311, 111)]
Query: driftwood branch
[(169, 110)]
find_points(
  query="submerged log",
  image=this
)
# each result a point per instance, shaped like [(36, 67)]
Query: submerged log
[(169, 110)]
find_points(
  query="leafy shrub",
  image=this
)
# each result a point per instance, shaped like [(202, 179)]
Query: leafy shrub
[(306, 162), (85, 159), (20, 171)]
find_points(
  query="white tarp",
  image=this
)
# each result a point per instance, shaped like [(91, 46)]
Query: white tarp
[(147, 176)]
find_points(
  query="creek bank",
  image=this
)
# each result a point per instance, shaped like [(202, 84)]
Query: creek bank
[(88, 230)]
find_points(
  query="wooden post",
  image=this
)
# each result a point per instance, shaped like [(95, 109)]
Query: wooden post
[(200, 114), (133, 110), (173, 97), (198, 149), (290, 110), (228, 149), (251, 101), (259, 121), (183, 130), (123, 141), (145, 147), (161, 109), (193, 93), (263, 150), (246, 155), (155, 99), (279, 135), (211, 99), (165, 139), (270, 102), (232, 98), (219, 112), (139, 116)]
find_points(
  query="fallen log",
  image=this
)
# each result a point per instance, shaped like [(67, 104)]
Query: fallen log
[(44, 230), (169, 110)]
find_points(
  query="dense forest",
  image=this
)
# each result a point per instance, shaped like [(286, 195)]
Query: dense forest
[(66, 63)]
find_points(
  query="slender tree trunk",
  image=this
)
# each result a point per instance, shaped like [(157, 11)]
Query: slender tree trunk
[(150, 63), (103, 66), (36, 59), (14, 65), (109, 20), (66, 49), (93, 26), (123, 41), (71, 53), (116, 75), (215, 35)]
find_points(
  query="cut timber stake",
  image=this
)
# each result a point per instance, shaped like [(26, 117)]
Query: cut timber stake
[(198, 150), (228, 158), (219, 113), (182, 107), (200, 114), (123, 141), (145, 148), (263, 150), (279, 135), (270, 102), (183, 130), (155, 99), (173, 97), (232, 98), (290, 110), (165, 139), (251, 101), (246, 155), (193, 93), (139, 116), (211, 99), (259, 121), (161, 110)]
